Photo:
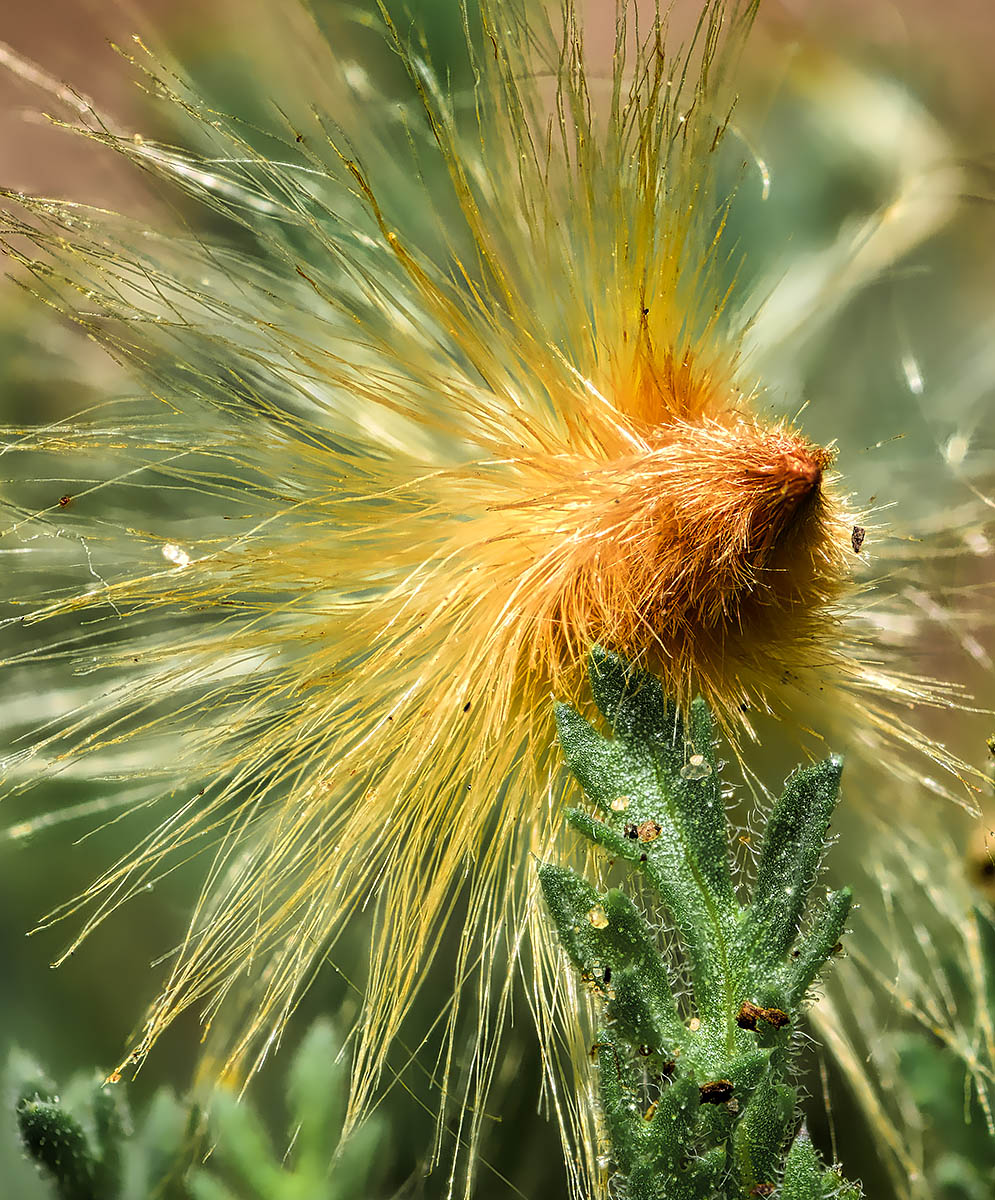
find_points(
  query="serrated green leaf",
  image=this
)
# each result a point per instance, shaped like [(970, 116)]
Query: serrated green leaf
[(802, 1171), (570, 901), (763, 1132), (588, 753), (818, 943), (794, 842), (703, 808), (721, 1116), (643, 973), (673, 824)]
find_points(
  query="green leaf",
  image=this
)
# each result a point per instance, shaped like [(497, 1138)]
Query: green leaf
[(763, 1132), (110, 1125), (659, 787), (692, 1088), (607, 937), (794, 842), (56, 1141), (819, 943), (243, 1147), (589, 755), (319, 1165), (207, 1187), (806, 1179), (316, 1093), (86, 1145)]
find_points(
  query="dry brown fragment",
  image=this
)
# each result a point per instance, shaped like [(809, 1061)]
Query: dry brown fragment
[(649, 831), (750, 1014), (718, 1091), (777, 1017)]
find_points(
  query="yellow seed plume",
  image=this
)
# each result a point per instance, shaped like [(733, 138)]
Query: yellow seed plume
[(393, 468)]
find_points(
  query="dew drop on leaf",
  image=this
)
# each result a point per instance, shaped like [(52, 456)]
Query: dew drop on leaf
[(598, 917), (696, 768)]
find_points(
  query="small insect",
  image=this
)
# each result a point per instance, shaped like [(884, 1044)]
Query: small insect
[(857, 538)]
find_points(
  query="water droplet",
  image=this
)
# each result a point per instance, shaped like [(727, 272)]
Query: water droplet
[(175, 554), (620, 804), (696, 768), (598, 917)]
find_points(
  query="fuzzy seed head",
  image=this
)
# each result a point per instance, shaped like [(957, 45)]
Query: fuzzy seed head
[(379, 482)]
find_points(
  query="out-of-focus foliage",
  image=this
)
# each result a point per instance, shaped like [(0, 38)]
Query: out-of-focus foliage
[(85, 1145), (88, 1148)]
